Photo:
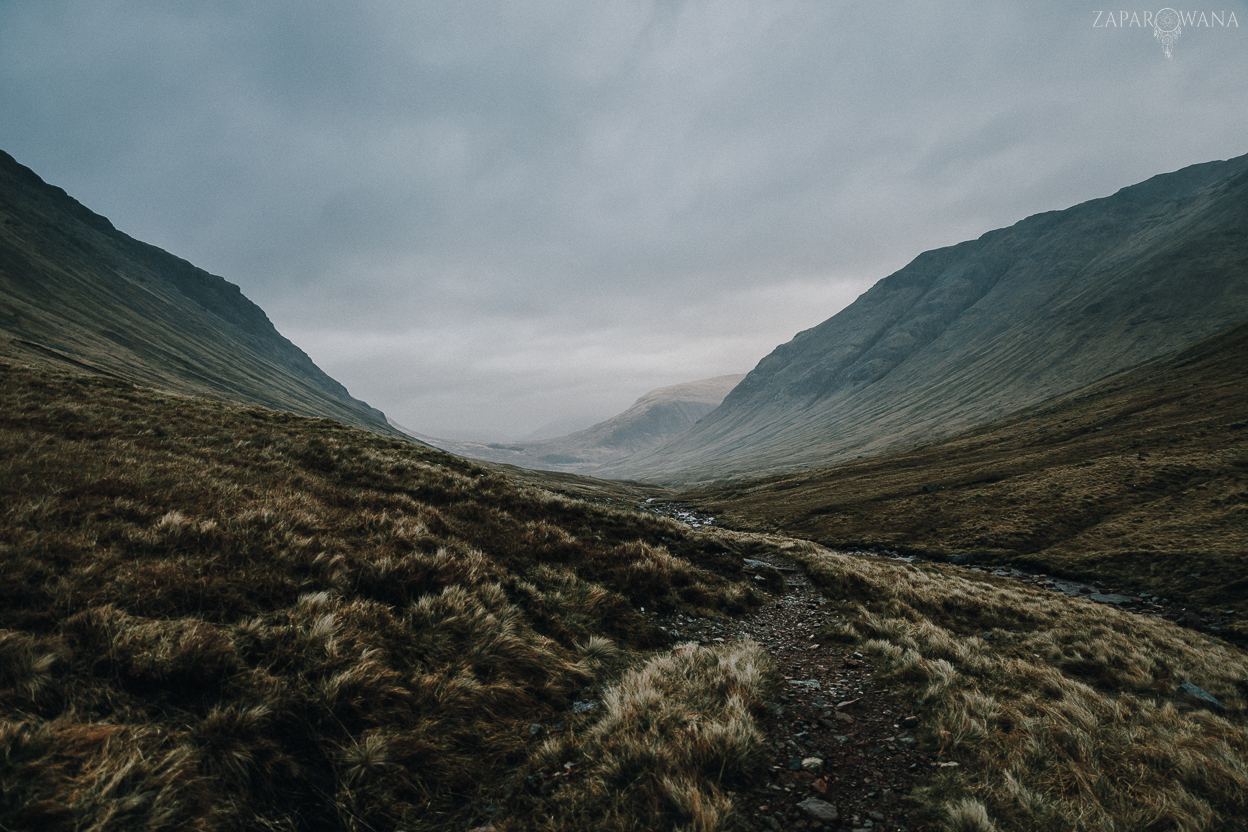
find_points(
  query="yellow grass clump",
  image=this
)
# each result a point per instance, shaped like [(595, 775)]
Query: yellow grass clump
[(674, 737)]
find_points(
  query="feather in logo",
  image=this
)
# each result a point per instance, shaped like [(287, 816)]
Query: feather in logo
[(1167, 26)]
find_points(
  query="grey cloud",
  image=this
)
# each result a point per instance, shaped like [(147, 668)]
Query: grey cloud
[(461, 209)]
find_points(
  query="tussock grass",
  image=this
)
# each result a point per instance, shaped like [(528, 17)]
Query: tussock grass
[(1060, 714), (220, 617), (674, 737)]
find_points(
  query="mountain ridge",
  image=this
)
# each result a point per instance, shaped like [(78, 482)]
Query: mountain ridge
[(74, 289), (970, 332)]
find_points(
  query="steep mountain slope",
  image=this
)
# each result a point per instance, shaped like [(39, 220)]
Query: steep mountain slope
[(971, 332), (657, 416), (74, 291), (1140, 480)]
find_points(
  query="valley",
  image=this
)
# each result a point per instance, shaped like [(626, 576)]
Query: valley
[(968, 556), (267, 619), (657, 416)]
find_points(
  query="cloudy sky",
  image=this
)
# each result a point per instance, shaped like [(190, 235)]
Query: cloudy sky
[(491, 218)]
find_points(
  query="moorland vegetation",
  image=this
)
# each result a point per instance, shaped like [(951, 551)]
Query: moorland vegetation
[(216, 616)]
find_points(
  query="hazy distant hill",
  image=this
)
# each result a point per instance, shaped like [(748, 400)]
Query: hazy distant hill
[(74, 291), (657, 416), (971, 332)]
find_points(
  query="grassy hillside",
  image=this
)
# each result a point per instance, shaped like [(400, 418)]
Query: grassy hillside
[(220, 617), (970, 333), (223, 617), (1140, 480), (77, 293)]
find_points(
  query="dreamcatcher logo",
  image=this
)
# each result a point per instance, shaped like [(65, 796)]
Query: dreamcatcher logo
[(1167, 26)]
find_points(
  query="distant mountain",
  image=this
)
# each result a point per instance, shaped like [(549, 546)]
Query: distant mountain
[(969, 333), (657, 416), (76, 292)]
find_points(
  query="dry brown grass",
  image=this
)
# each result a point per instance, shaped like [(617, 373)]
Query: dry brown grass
[(674, 737), (1059, 713), (222, 617)]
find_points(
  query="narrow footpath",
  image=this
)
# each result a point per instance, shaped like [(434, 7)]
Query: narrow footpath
[(843, 748)]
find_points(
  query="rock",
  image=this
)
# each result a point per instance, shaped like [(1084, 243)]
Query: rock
[(536, 729), (959, 559), (1198, 696), (820, 786), (795, 764), (931, 488), (910, 722), (820, 810), (844, 717), (827, 723), (813, 764), (847, 703)]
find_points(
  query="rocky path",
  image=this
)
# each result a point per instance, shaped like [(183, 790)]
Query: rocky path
[(843, 749)]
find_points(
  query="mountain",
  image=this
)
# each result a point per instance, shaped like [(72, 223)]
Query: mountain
[(76, 292), (657, 416), (969, 333), (1140, 480)]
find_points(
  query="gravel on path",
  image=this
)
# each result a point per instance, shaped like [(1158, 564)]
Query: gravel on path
[(835, 735)]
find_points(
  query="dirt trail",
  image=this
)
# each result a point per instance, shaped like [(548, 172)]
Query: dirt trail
[(832, 708)]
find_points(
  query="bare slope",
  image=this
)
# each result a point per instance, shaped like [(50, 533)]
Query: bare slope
[(969, 333), (1140, 480), (654, 418), (76, 292)]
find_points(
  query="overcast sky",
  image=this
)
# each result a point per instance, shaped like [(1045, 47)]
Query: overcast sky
[(490, 218)]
